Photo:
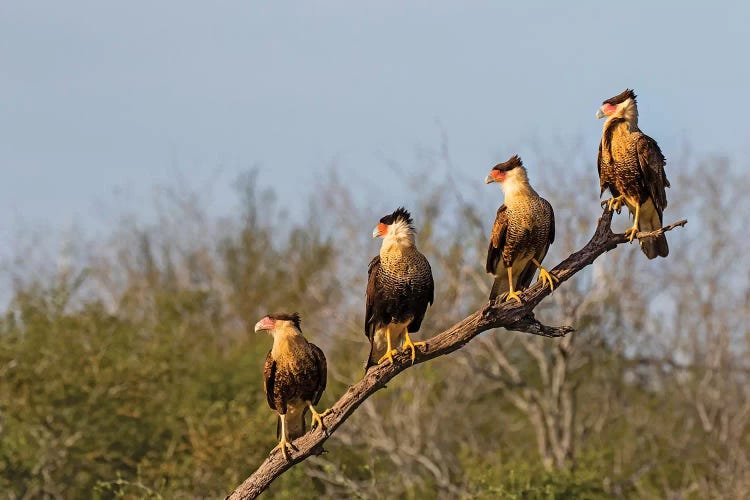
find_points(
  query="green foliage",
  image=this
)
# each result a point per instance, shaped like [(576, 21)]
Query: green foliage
[(136, 373), (88, 396), (161, 395), (528, 481)]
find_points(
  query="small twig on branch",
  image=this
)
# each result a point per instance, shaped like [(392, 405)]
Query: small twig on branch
[(653, 234), (509, 315)]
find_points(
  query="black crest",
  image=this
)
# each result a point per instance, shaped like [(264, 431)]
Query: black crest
[(399, 214), (620, 98), (282, 316), (513, 162)]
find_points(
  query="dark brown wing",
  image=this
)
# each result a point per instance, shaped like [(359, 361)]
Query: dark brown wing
[(269, 379), (526, 276), (497, 239), (652, 161), (430, 287), (322, 368), (551, 237), (372, 270)]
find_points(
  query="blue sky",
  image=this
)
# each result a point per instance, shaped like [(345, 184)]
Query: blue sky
[(98, 99)]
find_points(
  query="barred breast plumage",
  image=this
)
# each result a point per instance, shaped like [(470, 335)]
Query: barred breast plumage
[(529, 223), (403, 288)]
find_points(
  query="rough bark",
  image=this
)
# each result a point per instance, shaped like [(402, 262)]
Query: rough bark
[(509, 315)]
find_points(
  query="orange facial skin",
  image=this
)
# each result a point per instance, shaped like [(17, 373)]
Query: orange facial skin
[(498, 175), (608, 109)]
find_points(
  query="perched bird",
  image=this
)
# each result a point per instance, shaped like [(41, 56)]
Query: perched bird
[(294, 377), (523, 231), (631, 166), (399, 289)]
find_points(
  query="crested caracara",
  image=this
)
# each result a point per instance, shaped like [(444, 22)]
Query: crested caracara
[(523, 231), (294, 377), (631, 166), (399, 289)]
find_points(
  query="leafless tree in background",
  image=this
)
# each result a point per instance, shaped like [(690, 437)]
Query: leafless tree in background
[(656, 373)]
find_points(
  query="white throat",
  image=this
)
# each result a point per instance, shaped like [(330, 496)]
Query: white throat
[(628, 110), (399, 235), (516, 184)]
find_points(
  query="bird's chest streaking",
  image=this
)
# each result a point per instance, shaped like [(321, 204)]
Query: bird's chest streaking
[(620, 170), (404, 276), (527, 231)]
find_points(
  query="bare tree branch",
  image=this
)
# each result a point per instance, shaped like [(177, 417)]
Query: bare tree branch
[(509, 315)]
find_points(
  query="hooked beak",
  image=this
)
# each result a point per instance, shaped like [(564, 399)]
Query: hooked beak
[(376, 232), (489, 180), (264, 324), (600, 114)]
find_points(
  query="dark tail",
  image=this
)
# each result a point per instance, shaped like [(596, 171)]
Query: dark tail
[(370, 357), (524, 279), (655, 247), (295, 423), (499, 287), (378, 346)]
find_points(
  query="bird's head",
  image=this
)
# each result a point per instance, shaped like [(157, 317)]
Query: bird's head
[(275, 322), (622, 105), (396, 227), (508, 172)]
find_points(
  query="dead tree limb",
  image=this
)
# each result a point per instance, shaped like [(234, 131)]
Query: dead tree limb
[(509, 315)]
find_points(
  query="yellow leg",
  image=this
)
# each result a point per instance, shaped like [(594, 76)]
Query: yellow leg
[(408, 344), (544, 276), (615, 203), (283, 443), (631, 232), (511, 294), (317, 418), (391, 351)]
